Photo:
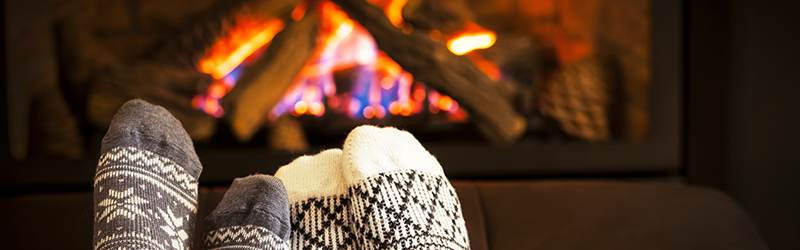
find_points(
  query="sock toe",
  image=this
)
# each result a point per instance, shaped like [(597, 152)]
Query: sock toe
[(370, 150), (314, 176), (151, 127), (258, 200), (253, 213)]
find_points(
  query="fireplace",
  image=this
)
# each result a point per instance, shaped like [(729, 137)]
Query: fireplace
[(546, 87)]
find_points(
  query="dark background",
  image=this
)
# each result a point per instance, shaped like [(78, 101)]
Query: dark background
[(741, 109)]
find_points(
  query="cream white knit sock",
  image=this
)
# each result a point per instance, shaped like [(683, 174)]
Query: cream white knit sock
[(318, 201), (399, 196)]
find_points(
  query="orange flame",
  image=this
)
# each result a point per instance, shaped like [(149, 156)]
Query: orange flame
[(486, 67), (299, 10), (242, 41), (393, 10), (382, 88), (468, 42), (473, 37)]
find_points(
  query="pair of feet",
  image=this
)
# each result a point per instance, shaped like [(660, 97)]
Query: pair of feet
[(382, 190)]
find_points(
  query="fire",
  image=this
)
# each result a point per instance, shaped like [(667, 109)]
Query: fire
[(299, 10), (246, 38), (486, 67), (471, 38), (468, 42), (226, 55), (393, 10), (380, 87)]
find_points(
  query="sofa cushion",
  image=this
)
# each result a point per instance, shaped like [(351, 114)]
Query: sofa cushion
[(611, 215)]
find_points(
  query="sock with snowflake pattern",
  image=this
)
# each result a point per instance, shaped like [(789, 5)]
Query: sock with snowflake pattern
[(145, 185)]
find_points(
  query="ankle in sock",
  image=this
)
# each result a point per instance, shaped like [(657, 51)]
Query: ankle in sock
[(145, 185), (253, 214), (400, 198), (319, 201)]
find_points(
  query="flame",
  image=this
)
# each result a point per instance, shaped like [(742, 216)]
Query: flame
[(468, 42), (393, 10), (471, 38), (224, 60), (299, 10), (486, 67), (380, 87), (242, 41)]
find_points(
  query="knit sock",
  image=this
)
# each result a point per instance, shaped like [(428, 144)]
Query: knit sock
[(145, 187), (253, 214), (318, 201), (399, 196)]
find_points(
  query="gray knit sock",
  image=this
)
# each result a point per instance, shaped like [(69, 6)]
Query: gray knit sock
[(145, 187), (253, 214)]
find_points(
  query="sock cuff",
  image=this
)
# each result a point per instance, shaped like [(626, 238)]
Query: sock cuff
[(319, 175), (370, 151)]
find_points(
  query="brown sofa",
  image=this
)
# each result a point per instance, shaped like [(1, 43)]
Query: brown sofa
[(499, 215)]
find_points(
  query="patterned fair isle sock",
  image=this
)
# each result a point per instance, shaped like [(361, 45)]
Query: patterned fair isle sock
[(318, 198), (145, 187), (253, 214), (400, 198)]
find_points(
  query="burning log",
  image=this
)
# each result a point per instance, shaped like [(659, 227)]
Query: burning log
[(431, 62), (262, 86), (445, 16), (190, 46)]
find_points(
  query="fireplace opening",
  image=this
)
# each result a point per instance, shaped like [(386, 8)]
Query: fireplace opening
[(296, 75), (348, 80)]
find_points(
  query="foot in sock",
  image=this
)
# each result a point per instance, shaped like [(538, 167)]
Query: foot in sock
[(318, 201), (145, 185), (399, 196), (253, 214)]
